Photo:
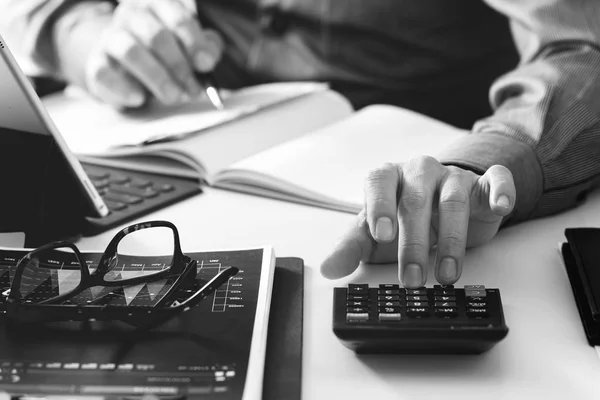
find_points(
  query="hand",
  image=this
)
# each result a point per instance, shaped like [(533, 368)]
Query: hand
[(413, 206), (151, 47)]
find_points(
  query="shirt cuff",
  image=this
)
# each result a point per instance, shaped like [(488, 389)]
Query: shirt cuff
[(479, 151)]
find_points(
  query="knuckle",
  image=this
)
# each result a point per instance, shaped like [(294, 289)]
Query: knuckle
[(415, 246), (414, 201), (452, 243), (425, 162), (454, 199)]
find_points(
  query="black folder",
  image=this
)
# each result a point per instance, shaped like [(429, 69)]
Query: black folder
[(283, 369)]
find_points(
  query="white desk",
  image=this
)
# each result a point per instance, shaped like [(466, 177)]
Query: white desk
[(545, 354)]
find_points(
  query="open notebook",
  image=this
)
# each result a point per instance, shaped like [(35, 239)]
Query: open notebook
[(312, 150)]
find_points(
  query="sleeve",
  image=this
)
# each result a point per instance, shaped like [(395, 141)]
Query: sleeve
[(27, 27), (546, 122)]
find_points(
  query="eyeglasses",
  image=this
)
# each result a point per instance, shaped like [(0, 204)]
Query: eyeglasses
[(54, 283)]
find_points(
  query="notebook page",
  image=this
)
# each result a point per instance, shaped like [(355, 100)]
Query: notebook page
[(93, 128), (333, 162)]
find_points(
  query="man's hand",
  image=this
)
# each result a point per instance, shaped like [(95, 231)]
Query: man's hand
[(413, 206), (151, 47)]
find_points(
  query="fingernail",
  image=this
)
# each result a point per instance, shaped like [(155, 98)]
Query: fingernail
[(448, 270), (204, 61), (503, 201), (384, 229), (413, 276)]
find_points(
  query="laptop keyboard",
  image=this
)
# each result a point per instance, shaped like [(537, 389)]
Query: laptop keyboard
[(131, 194)]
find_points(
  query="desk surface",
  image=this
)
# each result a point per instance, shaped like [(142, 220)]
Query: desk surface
[(545, 354)]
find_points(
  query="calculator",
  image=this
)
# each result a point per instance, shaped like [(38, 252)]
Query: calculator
[(439, 320)]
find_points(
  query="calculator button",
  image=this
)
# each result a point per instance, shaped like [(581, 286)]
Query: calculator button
[(446, 312), (389, 309), (477, 299), (445, 304), (390, 317), (357, 304), (355, 288), (358, 297), (479, 304), (477, 312), (444, 292), (417, 304), (416, 292), (475, 293), (350, 317), (417, 311), (416, 298), (355, 310), (474, 287), (444, 298), (388, 304), (388, 298), (393, 292), (389, 286)]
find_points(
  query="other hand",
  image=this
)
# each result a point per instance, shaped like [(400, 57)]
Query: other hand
[(411, 207), (151, 47)]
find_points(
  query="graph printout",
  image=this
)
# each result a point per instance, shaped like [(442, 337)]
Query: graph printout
[(203, 353)]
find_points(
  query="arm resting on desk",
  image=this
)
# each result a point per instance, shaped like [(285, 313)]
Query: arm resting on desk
[(546, 124)]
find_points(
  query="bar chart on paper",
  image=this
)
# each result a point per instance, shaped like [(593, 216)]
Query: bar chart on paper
[(203, 352)]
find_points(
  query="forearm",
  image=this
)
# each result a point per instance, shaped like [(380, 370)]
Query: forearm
[(545, 129)]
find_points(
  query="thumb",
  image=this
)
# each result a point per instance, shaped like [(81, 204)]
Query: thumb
[(501, 188), (355, 246)]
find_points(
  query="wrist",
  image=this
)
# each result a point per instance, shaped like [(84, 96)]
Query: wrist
[(75, 33)]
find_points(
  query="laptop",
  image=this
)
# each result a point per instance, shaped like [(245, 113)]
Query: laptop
[(47, 192)]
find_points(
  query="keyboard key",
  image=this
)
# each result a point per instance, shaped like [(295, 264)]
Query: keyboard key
[(140, 183), (389, 291), (134, 191), (358, 297), (416, 292), (166, 188), (385, 317), (357, 317), (123, 198), (388, 304), (417, 298), (479, 304), (443, 287), (389, 309), (474, 287), (115, 205), (357, 303), (445, 304), (444, 298), (357, 309), (475, 293), (388, 298), (446, 312), (389, 286), (477, 312), (417, 304), (417, 312), (118, 179), (355, 288)]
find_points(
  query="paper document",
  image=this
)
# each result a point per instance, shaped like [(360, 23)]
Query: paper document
[(107, 129)]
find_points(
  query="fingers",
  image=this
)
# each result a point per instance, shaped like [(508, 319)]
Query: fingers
[(421, 177), (502, 191), (163, 44), (110, 83), (144, 66), (354, 247), (453, 222), (381, 191), (203, 47)]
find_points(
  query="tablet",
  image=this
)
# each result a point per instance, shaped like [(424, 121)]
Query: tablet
[(42, 181)]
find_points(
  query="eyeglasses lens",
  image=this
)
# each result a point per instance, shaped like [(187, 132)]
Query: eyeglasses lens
[(48, 274), (144, 252)]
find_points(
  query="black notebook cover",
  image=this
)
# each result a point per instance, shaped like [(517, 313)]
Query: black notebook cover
[(283, 367)]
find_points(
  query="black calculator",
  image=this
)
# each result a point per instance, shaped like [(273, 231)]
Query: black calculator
[(439, 320)]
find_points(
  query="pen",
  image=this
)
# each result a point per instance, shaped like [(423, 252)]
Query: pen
[(212, 90)]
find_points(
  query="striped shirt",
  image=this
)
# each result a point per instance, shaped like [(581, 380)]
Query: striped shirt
[(524, 74)]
